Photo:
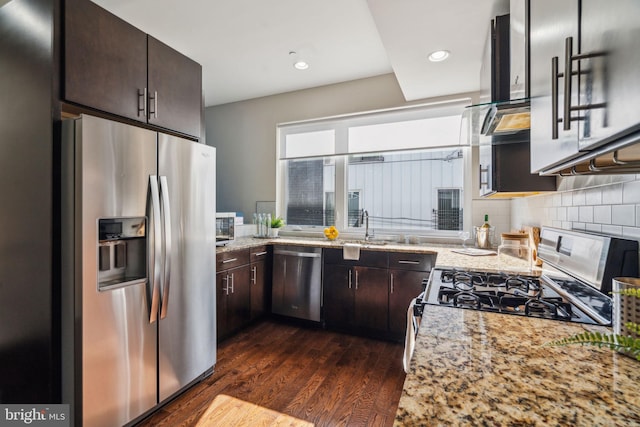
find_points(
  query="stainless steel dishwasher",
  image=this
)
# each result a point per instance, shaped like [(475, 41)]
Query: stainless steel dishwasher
[(297, 282)]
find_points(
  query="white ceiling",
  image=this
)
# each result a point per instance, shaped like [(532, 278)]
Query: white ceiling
[(244, 45)]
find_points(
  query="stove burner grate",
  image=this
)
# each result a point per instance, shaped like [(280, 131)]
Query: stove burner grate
[(500, 293), (467, 299)]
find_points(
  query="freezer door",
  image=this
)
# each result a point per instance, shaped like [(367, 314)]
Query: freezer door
[(187, 338), (118, 370)]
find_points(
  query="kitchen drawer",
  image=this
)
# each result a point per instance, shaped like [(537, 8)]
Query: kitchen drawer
[(367, 258), (231, 259), (259, 253), (411, 261)]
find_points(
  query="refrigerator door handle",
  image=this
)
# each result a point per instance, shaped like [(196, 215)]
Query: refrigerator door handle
[(157, 250), (166, 217)]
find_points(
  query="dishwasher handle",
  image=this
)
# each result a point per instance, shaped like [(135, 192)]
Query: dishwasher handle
[(298, 254)]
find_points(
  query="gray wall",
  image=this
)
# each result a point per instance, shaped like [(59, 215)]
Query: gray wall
[(244, 133)]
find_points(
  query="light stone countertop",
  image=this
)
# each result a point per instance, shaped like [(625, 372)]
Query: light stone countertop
[(477, 368), (446, 257)]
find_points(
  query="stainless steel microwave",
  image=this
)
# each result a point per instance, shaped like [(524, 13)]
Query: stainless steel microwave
[(225, 227)]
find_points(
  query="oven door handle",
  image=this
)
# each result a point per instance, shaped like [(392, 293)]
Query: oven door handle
[(413, 322)]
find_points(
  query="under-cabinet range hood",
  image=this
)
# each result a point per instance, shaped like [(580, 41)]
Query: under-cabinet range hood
[(500, 119), (500, 128), (507, 118)]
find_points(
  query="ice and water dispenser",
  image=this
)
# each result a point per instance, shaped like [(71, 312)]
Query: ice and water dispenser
[(122, 252)]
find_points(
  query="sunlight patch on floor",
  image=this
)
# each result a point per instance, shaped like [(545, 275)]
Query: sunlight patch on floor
[(228, 411)]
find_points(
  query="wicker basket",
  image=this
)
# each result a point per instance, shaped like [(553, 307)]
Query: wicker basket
[(625, 308)]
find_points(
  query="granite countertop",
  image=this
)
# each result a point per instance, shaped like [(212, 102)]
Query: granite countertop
[(478, 368), (446, 255)]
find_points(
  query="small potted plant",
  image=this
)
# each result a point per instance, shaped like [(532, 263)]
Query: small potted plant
[(276, 223)]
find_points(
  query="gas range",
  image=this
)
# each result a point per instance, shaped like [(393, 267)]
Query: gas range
[(579, 292), (522, 295)]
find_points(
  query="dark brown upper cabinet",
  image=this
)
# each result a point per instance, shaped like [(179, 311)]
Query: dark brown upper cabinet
[(111, 66), (175, 89), (105, 61)]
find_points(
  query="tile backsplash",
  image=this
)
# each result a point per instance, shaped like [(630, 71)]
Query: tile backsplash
[(499, 212), (605, 204)]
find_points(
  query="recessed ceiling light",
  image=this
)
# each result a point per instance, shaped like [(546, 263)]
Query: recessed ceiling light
[(298, 62), (438, 55)]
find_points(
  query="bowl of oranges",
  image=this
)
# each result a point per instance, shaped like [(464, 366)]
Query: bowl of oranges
[(331, 233)]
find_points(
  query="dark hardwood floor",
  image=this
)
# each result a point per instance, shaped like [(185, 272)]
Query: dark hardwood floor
[(327, 378)]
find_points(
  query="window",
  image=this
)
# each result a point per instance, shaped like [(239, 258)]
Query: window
[(405, 168), (354, 209), (310, 192), (397, 189), (448, 216)]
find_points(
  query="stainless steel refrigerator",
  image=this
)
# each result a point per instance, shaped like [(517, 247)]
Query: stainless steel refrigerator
[(138, 288)]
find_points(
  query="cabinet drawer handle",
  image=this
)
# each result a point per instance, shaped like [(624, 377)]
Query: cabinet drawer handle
[(142, 102), (408, 262), (260, 253), (226, 261)]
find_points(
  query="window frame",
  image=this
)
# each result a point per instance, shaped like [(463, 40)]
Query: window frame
[(341, 125)]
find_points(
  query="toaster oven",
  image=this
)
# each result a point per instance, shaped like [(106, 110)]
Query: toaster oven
[(225, 227)]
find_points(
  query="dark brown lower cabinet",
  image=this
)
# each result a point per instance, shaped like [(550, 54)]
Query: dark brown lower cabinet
[(407, 273), (233, 300), (260, 273), (338, 297), (404, 285), (356, 297), (371, 296), (242, 282)]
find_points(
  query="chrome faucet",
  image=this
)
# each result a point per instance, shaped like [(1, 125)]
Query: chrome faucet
[(365, 218)]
